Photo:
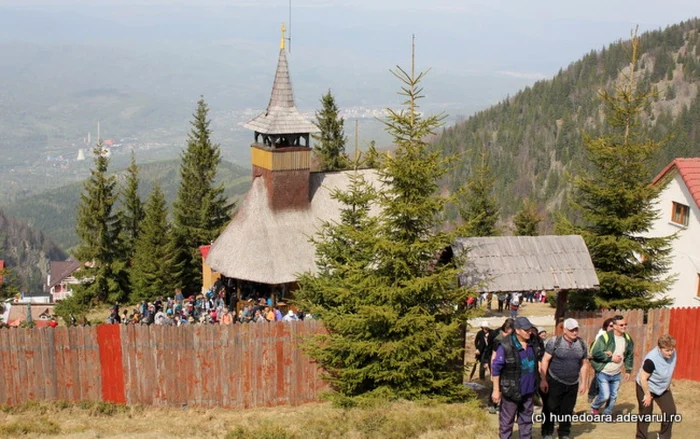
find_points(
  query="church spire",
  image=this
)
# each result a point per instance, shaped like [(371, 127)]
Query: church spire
[(281, 116), (282, 39)]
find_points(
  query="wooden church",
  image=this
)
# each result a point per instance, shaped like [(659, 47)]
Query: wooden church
[(267, 244)]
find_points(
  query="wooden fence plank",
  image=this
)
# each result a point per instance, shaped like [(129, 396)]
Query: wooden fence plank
[(8, 370)]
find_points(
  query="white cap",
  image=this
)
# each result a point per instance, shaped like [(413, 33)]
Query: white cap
[(485, 324), (570, 324)]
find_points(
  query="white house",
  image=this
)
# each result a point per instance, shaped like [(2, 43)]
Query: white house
[(679, 211), (60, 279)]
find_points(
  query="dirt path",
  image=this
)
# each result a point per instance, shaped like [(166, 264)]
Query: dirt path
[(686, 395)]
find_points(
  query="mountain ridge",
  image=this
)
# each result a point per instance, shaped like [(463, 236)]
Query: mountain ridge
[(535, 137)]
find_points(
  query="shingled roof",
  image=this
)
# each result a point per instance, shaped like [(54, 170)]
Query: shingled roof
[(689, 170), (526, 263), (60, 270), (272, 247), (281, 115)]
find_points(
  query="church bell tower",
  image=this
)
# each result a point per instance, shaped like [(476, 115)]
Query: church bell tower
[(281, 152)]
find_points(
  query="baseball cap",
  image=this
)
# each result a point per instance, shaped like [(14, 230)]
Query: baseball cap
[(541, 329), (570, 324), (522, 323), (485, 324)]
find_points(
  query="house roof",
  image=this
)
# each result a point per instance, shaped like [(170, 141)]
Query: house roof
[(526, 263), (60, 270), (281, 115), (270, 246), (18, 313), (689, 170), (204, 251)]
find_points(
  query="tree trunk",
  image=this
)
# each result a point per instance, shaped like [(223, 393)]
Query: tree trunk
[(560, 313)]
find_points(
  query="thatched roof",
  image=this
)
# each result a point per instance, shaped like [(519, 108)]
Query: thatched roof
[(526, 263), (272, 247), (281, 115)]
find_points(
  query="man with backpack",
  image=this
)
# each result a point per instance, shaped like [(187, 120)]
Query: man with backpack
[(514, 376), (562, 376), (612, 353)]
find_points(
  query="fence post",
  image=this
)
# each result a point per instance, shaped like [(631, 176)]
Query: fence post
[(111, 362)]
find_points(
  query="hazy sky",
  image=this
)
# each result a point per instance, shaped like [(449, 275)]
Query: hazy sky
[(532, 39)]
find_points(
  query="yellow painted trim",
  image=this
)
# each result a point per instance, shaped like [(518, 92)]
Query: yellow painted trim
[(280, 161)]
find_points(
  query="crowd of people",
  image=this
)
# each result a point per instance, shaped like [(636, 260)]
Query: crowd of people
[(507, 302), (528, 368), (207, 308)]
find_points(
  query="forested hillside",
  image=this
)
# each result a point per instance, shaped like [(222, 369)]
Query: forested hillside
[(54, 212), (27, 252), (535, 138)]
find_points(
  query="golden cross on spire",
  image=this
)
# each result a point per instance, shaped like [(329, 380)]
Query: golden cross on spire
[(282, 39)]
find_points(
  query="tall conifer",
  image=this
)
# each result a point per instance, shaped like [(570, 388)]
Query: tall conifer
[(201, 210), (104, 276), (616, 202), (527, 220), (332, 140), (152, 273), (478, 207), (132, 210), (395, 327)]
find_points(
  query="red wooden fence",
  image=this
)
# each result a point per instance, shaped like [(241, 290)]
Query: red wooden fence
[(249, 365), (681, 323)]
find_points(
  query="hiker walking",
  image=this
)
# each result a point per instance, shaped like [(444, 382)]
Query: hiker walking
[(612, 353), (514, 376), (654, 384), (593, 389), (562, 377), (482, 353)]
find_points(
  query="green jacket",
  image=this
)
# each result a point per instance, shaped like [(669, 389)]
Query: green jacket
[(606, 342)]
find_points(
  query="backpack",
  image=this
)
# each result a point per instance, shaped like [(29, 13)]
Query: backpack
[(605, 337), (558, 340)]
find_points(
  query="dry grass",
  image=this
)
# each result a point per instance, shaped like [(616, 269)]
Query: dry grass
[(397, 420)]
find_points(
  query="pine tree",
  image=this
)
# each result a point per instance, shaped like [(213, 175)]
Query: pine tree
[(132, 211), (154, 265), (332, 139), (616, 203), (390, 307), (527, 220), (201, 210), (9, 288), (104, 276), (478, 207)]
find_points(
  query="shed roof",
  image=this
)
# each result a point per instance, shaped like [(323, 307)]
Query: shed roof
[(689, 170), (281, 115), (272, 247), (526, 263)]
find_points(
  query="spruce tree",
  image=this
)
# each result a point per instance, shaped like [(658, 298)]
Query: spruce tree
[(154, 264), (478, 207), (332, 139), (201, 210), (615, 201), (527, 220), (9, 287), (104, 276), (391, 308), (132, 210)]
